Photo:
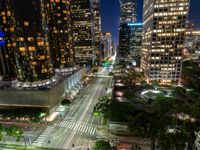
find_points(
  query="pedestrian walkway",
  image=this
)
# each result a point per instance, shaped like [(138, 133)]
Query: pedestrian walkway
[(82, 128), (43, 137)]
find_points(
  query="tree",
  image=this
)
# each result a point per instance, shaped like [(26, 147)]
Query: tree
[(155, 84), (102, 145), (1, 133), (131, 77), (143, 83), (14, 131), (95, 70), (144, 125), (65, 102)]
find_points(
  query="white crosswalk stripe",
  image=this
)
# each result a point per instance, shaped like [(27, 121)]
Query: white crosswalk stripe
[(82, 128), (42, 138)]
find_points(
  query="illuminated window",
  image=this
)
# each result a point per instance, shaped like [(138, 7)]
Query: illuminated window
[(31, 48), (26, 23), (12, 29), (22, 49), (30, 39), (8, 13)]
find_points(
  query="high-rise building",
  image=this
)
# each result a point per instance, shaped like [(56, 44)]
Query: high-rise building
[(60, 33), (164, 24), (96, 19), (106, 39), (25, 23), (4, 62), (135, 42), (124, 40), (83, 32), (192, 40), (128, 15), (38, 37), (97, 28), (128, 11)]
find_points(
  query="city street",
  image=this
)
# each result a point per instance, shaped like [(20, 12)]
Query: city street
[(78, 128)]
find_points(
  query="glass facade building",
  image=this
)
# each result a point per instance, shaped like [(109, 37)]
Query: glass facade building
[(37, 37), (164, 23), (25, 23), (60, 33), (97, 28), (135, 42), (83, 31), (128, 11), (128, 15), (4, 62)]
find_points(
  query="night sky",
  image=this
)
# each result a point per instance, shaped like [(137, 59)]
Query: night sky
[(110, 15)]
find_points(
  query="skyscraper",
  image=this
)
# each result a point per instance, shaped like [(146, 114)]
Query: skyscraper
[(38, 37), (124, 40), (60, 33), (83, 31), (135, 42), (97, 28), (25, 23), (4, 63), (164, 24), (127, 15), (128, 11), (96, 19), (106, 39)]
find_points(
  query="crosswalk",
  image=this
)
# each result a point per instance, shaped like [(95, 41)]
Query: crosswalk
[(82, 128), (43, 137)]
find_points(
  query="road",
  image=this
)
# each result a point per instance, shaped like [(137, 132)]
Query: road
[(77, 130)]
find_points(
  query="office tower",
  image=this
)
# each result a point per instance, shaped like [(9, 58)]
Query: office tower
[(96, 19), (127, 15), (124, 40), (97, 28), (128, 11), (135, 42), (4, 62), (106, 39), (164, 24), (83, 34), (60, 33), (192, 40), (25, 24)]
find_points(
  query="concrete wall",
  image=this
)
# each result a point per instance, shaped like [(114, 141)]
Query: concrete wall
[(44, 99)]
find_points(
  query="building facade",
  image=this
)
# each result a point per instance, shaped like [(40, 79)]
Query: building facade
[(124, 40), (192, 41), (128, 15), (38, 37), (4, 62), (83, 31), (97, 29), (106, 39), (26, 38), (128, 11), (135, 43), (60, 34), (164, 23)]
